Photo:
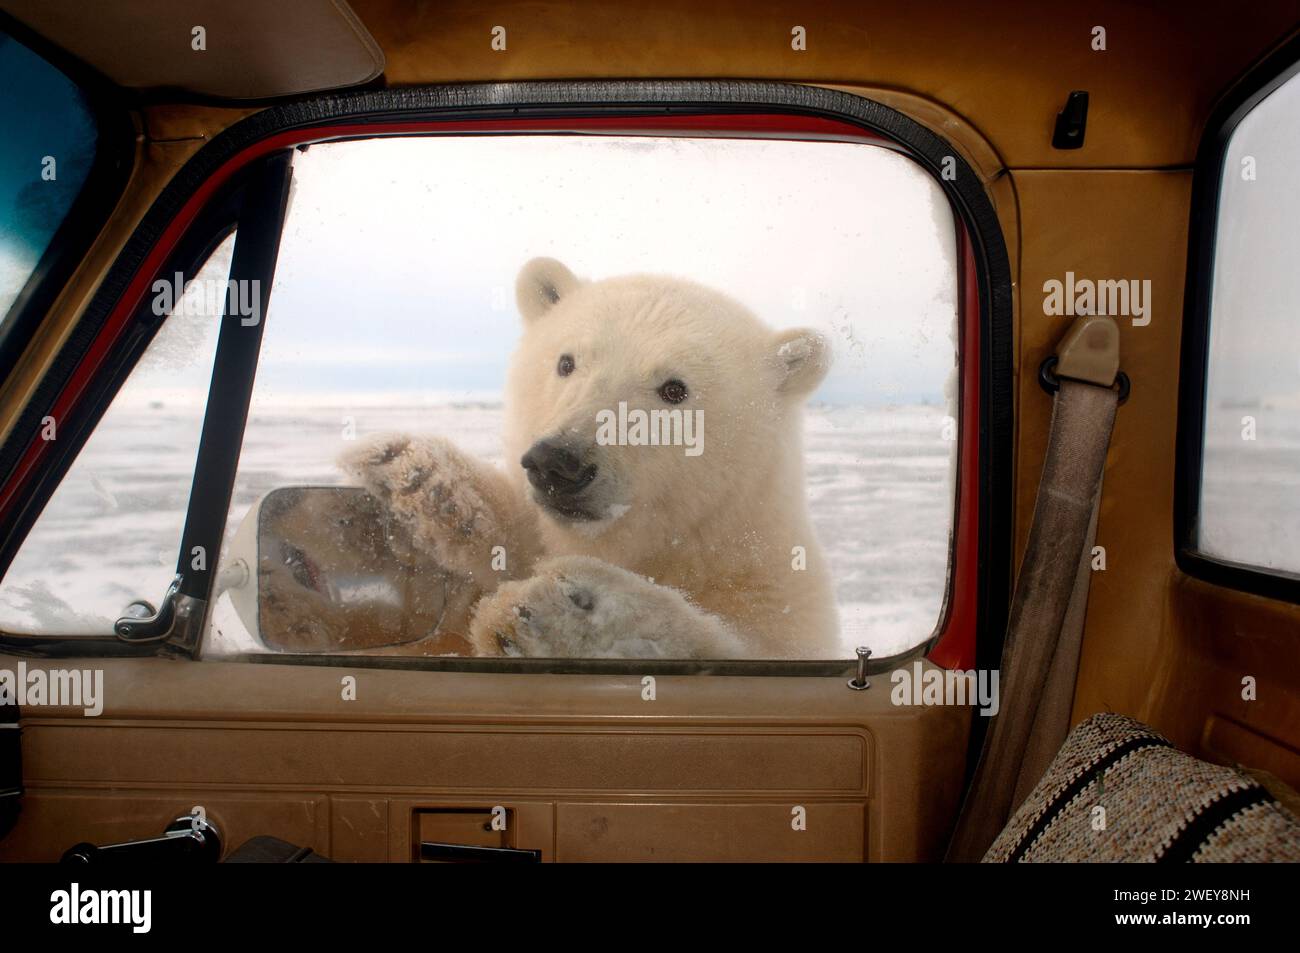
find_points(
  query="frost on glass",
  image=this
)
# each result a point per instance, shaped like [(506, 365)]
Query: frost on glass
[(1250, 489), (394, 312), (111, 532)]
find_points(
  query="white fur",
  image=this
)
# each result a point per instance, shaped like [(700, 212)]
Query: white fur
[(685, 556)]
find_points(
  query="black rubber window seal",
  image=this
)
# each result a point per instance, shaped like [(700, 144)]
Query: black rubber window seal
[(1207, 179)]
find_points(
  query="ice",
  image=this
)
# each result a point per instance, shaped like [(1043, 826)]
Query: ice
[(1250, 490), (877, 484)]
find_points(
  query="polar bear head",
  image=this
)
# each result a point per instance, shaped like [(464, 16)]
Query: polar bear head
[(648, 401)]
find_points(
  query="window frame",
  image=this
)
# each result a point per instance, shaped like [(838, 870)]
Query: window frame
[(217, 221), (1207, 181), (976, 602)]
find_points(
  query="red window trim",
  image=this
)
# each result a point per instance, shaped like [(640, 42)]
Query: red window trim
[(955, 647)]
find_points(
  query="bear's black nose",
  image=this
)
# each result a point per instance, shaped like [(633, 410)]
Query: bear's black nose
[(556, 470)]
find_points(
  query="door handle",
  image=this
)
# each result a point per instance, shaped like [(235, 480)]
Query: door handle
[(467, 853), (188, 839)]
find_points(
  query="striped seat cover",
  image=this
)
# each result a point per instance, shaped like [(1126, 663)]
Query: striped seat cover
[(1119, 791)]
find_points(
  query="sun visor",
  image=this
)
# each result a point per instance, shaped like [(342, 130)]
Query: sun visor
[(211, 47)]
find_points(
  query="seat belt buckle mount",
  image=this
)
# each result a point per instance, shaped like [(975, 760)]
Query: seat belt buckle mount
[(1088, 353)]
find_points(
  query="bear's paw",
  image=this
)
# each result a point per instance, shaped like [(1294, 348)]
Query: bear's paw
[(580, 607), (435, 490)]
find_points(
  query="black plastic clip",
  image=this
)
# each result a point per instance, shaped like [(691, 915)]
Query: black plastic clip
[(1072, 122), (1049, 382)]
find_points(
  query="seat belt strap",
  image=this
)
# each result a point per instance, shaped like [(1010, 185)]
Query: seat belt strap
[(1040, 654), (1052, 719)]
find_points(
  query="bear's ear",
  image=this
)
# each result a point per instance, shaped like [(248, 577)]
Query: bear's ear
[(540, 286), (803, 356)]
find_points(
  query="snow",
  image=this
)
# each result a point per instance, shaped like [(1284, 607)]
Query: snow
[(1250, 489), (877, 485)]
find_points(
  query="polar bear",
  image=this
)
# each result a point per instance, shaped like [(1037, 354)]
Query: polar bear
[(605, 537)]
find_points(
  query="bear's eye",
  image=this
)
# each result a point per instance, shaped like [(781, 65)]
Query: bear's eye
[(566, 365), (672, 392)]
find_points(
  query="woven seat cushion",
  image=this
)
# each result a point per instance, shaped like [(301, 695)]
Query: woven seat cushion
[(1119, 791)]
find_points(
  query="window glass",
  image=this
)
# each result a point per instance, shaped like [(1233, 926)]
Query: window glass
[(46, 154), (1250, 489), (606, 396), (110, 533)]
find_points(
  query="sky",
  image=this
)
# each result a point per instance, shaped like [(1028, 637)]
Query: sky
[(397, 266), (1254, 344), (399, 256)]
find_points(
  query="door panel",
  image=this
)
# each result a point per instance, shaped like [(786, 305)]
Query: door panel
[(584, 768), (735, 832)]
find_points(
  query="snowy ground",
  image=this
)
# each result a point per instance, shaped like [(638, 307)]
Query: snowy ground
[(1250, 493), (877, 480)]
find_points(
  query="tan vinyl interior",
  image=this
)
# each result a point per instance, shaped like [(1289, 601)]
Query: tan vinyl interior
[(212, 48), (713, 768), (710, 769)]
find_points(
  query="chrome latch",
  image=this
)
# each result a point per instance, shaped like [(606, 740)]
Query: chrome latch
[(144, 623)]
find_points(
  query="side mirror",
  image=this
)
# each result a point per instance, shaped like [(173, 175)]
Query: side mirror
[(319, 569)]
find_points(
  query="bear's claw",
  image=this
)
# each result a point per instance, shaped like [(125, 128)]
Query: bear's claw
[(433, 489), (578, 595)]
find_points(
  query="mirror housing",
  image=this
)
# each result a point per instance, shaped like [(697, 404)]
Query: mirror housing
[(325, 569)]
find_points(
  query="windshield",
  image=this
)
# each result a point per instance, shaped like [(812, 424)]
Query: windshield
[(46, 154)]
